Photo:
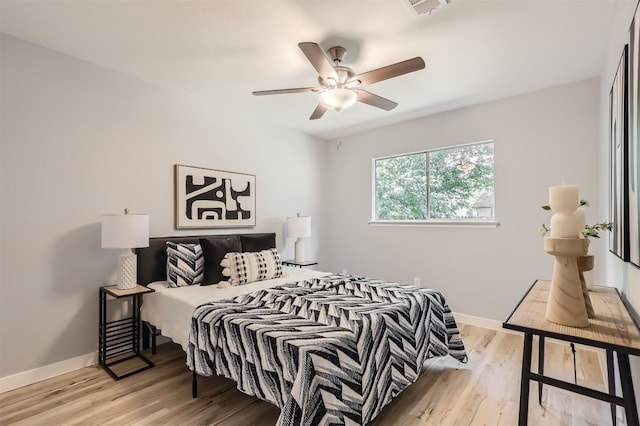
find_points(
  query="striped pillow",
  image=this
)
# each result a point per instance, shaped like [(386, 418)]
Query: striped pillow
[(243, 268), (185, 264)]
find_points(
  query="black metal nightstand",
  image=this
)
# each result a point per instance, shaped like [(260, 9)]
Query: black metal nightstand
[(119, 340), (299, 264)]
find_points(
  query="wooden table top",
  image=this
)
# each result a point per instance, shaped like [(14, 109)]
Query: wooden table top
[(612, 328), (113, 290)]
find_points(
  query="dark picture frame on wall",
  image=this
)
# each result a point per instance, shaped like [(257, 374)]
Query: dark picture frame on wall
[(209, 198), (633, 153), (618, 176)]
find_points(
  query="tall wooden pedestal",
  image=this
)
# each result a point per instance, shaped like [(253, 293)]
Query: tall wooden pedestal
[(566, 304)]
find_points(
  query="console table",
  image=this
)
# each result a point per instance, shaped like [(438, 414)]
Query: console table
[(613, 329)]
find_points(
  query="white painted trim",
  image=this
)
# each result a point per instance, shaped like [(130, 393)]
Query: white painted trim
[(45, 372), (481, 322), (437, 223)]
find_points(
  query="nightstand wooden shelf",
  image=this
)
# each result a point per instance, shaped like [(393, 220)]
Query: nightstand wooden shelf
[(299, 264), (119, 340)]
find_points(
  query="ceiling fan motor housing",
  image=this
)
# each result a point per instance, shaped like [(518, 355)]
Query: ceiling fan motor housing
[(343, 75)]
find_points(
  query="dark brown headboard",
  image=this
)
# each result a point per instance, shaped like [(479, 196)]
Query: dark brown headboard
[(152, 260)]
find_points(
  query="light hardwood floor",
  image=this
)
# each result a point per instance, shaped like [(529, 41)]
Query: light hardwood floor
[(484, 391)]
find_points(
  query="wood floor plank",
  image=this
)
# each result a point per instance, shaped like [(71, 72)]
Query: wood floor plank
[(485, 391)]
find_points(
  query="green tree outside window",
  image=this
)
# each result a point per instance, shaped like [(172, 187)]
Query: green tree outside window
[(448, 184)]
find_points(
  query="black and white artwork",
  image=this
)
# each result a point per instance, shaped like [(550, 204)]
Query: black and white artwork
[(633, 167), (207, 198), (618, 140)]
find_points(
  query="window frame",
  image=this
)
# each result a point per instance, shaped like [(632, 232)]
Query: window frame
[(464, 223)]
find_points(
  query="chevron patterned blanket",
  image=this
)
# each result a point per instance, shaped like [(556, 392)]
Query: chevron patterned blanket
[(332, 350)]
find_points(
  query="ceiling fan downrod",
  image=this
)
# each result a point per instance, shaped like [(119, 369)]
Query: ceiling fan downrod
[(337, 54)]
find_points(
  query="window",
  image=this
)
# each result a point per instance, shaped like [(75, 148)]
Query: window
[(445, 184)]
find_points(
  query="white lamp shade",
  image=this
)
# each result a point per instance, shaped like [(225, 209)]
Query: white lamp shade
[(125, 231), (299, 226)]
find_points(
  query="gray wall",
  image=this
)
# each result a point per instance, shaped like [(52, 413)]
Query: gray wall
[(79, 141), (541, 139), (620, 274)]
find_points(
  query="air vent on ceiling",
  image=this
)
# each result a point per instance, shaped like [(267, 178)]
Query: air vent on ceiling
[(422, 7)]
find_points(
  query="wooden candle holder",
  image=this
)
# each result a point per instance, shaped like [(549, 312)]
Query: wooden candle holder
[(566, 304), (585, 263)]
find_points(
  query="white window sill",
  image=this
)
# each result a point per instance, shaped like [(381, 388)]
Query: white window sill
[(469, 223)]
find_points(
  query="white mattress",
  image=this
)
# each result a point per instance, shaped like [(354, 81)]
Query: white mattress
[(170, 309)]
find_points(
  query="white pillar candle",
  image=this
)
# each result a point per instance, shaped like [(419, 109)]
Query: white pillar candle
[(581, 219), (566, 222), (563, 198), (564, 225)]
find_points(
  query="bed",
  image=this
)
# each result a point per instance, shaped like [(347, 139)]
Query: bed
[(324, 348)]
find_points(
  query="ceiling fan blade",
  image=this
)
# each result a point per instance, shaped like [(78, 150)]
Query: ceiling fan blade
[(390, 71), (375, 100), (320, 62), (318, 112), (284, 91)]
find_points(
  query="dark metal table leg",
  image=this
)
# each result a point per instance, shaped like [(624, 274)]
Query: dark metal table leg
[(103, 329), (630, 407), (194, 386), (154, 334), (146, 338), (540, 366), (611, 379), (524, 381), (135, 318)]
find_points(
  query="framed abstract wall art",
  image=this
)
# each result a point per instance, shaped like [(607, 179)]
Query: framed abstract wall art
[(618, 142), (207, 198)]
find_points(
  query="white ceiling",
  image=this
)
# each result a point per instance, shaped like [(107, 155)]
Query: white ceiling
[(475, 50)]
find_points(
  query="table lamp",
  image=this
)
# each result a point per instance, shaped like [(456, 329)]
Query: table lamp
[(126, 231), (299, 227)]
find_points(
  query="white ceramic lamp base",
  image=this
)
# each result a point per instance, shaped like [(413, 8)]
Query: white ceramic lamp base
[(127, 270), (299, 251)]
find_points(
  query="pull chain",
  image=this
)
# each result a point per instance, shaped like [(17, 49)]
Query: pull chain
[(338, 135)]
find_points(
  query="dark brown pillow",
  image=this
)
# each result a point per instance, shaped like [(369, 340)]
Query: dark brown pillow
[(214, 250), (259, 242)]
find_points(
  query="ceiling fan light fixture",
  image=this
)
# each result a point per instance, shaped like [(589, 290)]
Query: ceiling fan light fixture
[(353, 83), (338, 99)]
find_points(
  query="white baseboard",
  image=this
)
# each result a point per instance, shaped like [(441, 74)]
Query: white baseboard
[(42, 373), (481, 322), (45, 372)]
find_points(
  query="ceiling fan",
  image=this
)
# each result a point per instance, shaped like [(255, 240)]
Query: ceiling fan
[(340, 86)]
